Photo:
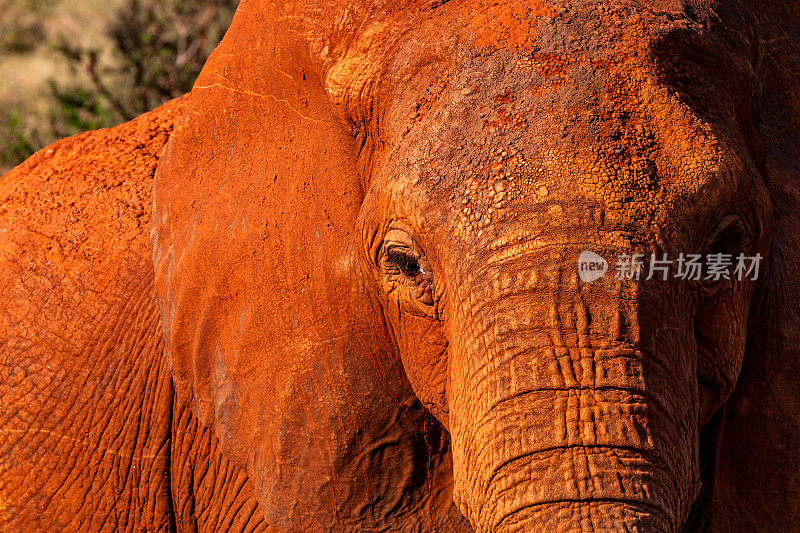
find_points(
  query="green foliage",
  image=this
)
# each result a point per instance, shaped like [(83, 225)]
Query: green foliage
[(78, 110), (17, 140), (158, 49), (21, 28)]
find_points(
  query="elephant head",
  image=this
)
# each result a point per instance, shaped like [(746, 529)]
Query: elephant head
[(366, 236)]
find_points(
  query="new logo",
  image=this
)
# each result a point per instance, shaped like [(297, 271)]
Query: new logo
[(591, 266)]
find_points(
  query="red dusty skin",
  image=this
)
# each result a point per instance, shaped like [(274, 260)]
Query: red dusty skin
[(560, 420), (334, 288)]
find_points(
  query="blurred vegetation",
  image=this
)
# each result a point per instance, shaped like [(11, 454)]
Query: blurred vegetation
[(156, 50), (21, 29)]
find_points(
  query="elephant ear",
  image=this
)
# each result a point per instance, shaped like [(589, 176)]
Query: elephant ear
[(758, 479), (273, 340)]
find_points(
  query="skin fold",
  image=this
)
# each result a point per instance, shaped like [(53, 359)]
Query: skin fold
[(335, 287)]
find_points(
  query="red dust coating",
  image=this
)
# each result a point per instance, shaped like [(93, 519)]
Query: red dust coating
[(335, 287)]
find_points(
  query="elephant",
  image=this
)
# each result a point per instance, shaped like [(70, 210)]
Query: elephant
[(336, 287)]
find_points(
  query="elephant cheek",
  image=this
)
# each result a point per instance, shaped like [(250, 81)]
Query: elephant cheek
[(424, 352)]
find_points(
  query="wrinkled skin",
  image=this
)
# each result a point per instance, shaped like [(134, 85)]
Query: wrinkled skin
[(362, 310)]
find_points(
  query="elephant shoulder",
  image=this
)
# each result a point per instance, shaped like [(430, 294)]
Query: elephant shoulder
[(84, 200), (80, 339), (74, 226), (88, 194)]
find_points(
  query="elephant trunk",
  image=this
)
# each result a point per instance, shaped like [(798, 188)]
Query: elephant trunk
[(567, 414)]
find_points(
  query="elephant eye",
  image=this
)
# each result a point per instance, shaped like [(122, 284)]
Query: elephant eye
[(729, 241), (406, 274), (405, 261)]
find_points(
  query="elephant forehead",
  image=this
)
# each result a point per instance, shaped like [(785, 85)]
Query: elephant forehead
[(423, 42), (634, 148), (582, 111)]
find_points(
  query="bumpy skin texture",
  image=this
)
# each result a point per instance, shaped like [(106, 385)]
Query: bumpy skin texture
[(365, 223), (90, 436)]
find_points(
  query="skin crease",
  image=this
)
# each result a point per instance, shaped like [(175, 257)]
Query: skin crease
[(362, 310)]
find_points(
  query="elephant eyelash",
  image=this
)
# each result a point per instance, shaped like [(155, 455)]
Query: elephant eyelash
[(730, 241), (730, 237), (407, 277), (405, 261)]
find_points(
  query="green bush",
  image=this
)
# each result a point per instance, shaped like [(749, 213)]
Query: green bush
[(158, 49), (17, 140), (21, 28)]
